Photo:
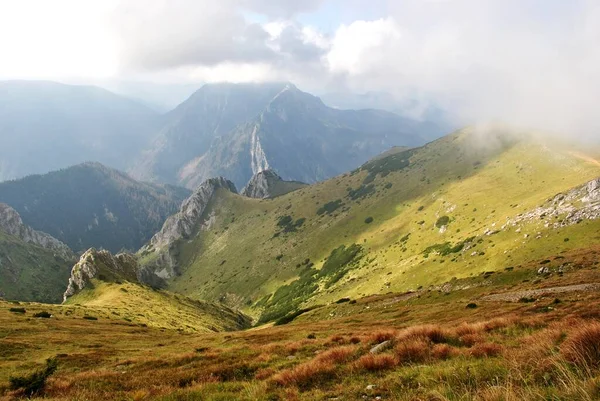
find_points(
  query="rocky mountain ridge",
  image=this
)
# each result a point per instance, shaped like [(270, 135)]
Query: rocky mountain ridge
[(12, 224), (268, 184), (180, 226), (100, 264)]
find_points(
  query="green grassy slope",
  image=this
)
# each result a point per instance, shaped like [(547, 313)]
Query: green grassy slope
[(31, 273), (274, 254), (142, 305)]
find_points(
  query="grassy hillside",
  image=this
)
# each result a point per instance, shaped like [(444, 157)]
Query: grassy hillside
[(510, 335), (90, 205), (139, 304), (408, 220), (31, 273)]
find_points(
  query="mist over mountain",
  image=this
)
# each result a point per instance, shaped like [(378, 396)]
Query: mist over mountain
[(45, 126)]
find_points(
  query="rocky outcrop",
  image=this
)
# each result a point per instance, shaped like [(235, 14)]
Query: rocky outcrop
[(12, 224), (267, 184), (181, 225), (564, 209), (101, 265)]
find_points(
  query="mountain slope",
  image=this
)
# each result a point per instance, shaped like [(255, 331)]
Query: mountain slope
[(90, 205), (413, 218), (33, 265), (236, 131), (45, 126), (29, 272), (107, 285)]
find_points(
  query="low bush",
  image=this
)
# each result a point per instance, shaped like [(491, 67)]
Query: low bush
[(17, 310), (42, 314), (35, 383)]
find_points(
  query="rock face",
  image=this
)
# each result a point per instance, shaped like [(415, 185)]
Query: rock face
[(101, 265), (11, 223), (565, 209), (181, 225), (267, 184)]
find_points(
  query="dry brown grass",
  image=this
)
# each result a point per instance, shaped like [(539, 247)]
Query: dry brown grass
[(382, 335), (582, 346), (337, 354), (486, 350), (306, 375), (433, 333), (375, 363), (444, 351), (470, 340), (413, 351)]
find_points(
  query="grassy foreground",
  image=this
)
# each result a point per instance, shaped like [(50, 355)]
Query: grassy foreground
[(488, 337)]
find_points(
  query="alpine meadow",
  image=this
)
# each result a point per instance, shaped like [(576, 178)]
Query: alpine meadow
[(319, 200)]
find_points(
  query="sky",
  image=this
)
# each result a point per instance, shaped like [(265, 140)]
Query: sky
[(528, 62)]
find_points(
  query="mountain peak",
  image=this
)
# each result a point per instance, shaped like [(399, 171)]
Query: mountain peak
[(268, 184), (101, 265)]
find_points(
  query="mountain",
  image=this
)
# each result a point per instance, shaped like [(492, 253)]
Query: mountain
[(268, 184), (238, 130), (33, 265), (45, 126), (107, 285), (432, 119), (411, 218), (12, 224), (90, 205)]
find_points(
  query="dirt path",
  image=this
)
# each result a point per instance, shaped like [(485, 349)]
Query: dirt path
[(517, 295)]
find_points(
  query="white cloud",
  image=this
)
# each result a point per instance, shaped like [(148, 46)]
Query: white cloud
[(54, 39)]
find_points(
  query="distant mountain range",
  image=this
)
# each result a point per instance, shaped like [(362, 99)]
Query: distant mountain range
[(90, 205), (237, 130), (231, 130), (45, 126)]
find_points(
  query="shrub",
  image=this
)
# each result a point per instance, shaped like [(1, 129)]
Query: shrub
[(369, 220), (442, 221), (42, 314), (17, 310), (35, 383), (582, 346), (342, 300), (374, 363), (329, 207)]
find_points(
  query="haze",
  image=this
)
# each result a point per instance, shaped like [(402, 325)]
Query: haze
[(531, 62)]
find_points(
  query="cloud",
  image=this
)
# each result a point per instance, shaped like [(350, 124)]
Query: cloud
[(160, 34), (531, 63)]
